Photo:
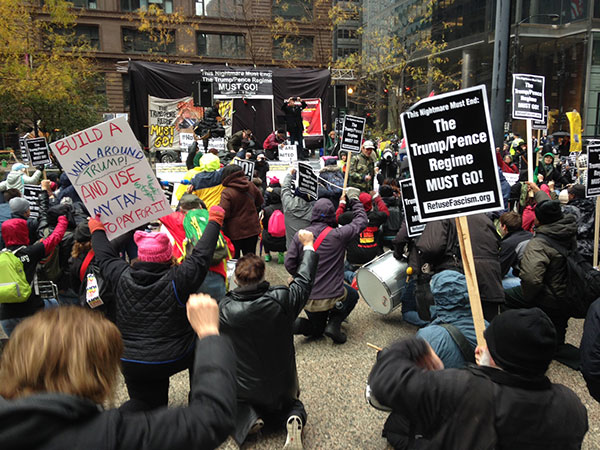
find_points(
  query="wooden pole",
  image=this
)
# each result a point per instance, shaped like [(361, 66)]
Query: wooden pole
[(347, 171), (529, 152), (596, 231), (466, 251)]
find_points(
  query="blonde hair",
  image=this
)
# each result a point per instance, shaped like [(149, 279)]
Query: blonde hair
[(67, 350), (80, 248)]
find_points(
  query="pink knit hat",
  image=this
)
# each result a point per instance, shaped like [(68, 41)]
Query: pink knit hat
[(153, 247)]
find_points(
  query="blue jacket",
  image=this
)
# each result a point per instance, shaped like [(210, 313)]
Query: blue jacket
[(449, 289)]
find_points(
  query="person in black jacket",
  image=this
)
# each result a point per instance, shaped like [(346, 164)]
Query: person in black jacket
[(260, 321), (62, 364), (151, 296), (292, 109), (512, 247), (270, 242), (506, 402), (590, 350)]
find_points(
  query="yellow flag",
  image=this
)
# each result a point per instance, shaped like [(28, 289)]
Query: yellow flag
[(575, 123)]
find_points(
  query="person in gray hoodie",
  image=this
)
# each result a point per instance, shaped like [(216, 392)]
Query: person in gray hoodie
[(297, 208), (17, 179), (330, 300)]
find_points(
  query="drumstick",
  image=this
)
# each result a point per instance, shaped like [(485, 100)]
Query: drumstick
[(374, 347)]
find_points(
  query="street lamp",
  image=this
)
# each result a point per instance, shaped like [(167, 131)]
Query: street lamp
[(553, 17)]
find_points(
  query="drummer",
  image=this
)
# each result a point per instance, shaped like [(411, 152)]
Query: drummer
[(330, 300)]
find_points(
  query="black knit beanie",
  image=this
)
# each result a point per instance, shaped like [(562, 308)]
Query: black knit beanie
[(548, 211), (522, 341)]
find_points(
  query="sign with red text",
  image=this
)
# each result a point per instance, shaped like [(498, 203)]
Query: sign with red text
[(112, 176)]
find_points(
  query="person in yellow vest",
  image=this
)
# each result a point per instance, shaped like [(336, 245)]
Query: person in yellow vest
[(203, 180)]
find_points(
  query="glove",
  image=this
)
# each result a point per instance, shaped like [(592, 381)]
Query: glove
[(352, 193), (95, 224), (216, 214)]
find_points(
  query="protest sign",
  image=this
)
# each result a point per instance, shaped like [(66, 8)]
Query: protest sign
[(111, 175), (23, 148), (592, 189), (216, 143), (511, 178), (173, 172), (168, 119), (541, 124), (528, 97), (575, 127), (308, 180), (414, 227), (32, 193), (352, 133), (311, 117), (288, 153), (247, 165), (37, 151), (186, 140), (451, 155), (232, 83)]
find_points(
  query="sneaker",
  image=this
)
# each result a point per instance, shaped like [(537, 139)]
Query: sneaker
[(294, 434), (267, 258), (257, 426), (280, 258)]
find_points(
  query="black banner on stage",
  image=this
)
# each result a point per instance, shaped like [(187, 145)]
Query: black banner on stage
[(352, 133), (233, 83), (32, 193), (451, 154), (414, 227), (592, 187), (38, 151), (247, 165), (528, 97), (308, 180)]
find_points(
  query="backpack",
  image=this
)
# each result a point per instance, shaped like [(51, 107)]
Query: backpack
[(49, 267), (14, 287), (194, 225), (583, 281), (276, 226), (394, 221)]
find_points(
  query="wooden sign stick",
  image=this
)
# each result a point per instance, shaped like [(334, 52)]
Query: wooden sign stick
[(347, 171), (466, 251), (530, 159), (596, 231)]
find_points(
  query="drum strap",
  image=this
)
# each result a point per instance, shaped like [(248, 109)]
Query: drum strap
[(465, 347), (322, 235)]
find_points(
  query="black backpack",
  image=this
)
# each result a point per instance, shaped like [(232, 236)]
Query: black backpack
[(583, 281)]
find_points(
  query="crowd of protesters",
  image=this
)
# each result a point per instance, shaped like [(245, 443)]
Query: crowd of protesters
[(166, 302)]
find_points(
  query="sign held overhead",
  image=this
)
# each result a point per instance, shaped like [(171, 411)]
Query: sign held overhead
[(352, 133), (414, 227), (528, 97), (452, 156)]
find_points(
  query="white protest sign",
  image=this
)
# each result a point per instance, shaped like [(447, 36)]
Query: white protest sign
[(511, 178), (111, 175), (288, 153), (216, 143), (185, 140), (173, 172)]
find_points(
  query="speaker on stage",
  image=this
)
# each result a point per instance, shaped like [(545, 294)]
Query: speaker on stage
[(203, 94)]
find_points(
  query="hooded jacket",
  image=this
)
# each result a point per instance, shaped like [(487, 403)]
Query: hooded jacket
[(329, 282), (206, 179), (590, 350), (449, 290), (583, 209), (296, 209), (52, 421), (259, 319), (331, 181), (241, 201), (16, 179), (151, 298)]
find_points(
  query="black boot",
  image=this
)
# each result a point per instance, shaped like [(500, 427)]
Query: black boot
[(302, 326), (334, 330)]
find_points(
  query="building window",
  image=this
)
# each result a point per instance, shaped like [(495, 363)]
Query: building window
[(300, 48), (220, 8), (345, 52), (346, 34), (293, 9), (135, 41), (221, 45), (88, 34), (87, 4), (132, 5)]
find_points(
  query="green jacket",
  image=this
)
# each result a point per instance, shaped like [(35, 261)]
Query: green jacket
[(543, 269), (360, 167)]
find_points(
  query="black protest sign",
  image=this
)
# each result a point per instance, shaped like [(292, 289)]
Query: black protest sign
[(541, 124), (23, 148), (308, 180), (451, 155), (247, 165), (592, 188), (39, 153), (32, 193), (414, 227), (352, 133), (528, 97)]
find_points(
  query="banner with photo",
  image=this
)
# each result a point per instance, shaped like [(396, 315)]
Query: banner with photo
[(312, 118), (168, 119)]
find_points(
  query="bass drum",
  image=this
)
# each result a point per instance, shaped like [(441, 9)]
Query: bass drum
[(382, 281)]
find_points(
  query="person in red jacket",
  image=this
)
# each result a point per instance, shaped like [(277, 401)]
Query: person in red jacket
[(272, 142), (15, 234)]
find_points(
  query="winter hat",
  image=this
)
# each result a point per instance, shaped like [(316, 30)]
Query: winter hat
[(331, 162), (387, 154), (189, 202), (18, 166), (82, 233), (366, 200), (273, 181), (209, 163), (563, 197), (230, 170), (153, 247), (19, 205), (386, 190), (548, 211), (15, 232), (324, 211), (578, 190), (522, 341)]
